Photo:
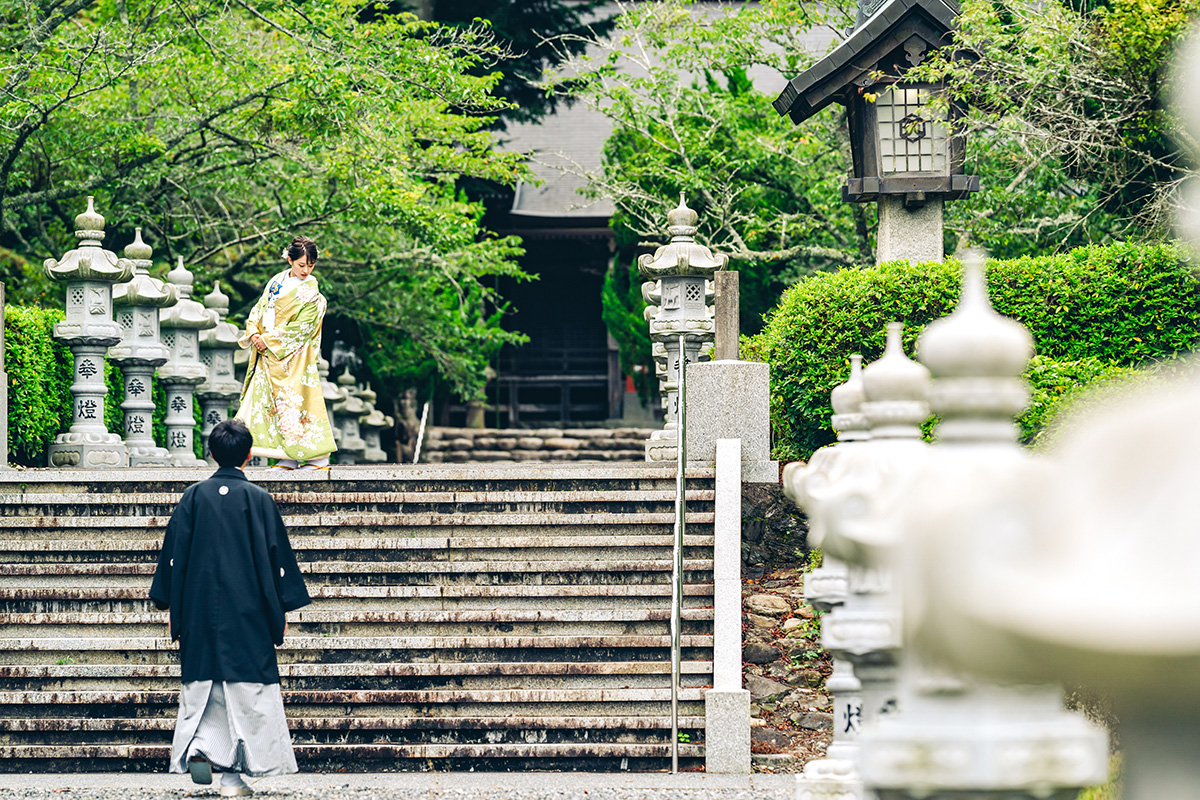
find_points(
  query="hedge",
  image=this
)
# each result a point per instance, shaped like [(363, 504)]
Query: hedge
[(1091, 311), (40, 372)]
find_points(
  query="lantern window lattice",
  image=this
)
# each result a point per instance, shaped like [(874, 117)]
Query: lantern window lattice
[(912, 135)]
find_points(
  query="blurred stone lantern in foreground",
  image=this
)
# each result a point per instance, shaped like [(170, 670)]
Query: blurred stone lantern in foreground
[(906, 155)]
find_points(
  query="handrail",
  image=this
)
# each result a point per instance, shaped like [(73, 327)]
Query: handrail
[(677, 554)]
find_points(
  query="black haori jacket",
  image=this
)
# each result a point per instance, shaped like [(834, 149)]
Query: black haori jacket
[(227, 573)]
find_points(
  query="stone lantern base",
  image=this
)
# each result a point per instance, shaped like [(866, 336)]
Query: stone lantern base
[(87, 450)]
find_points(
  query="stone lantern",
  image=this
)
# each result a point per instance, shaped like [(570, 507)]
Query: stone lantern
[(849, 491), (955, 735), (906, 154), (346, 413), (140, 352), (332, 394), (683, 322), (89, 330), (217, 346), (183, 372), (834, 777), (372, 423)]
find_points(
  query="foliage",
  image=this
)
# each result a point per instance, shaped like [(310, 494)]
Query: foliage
[(1121, 305), (35, 382), (1055, 385), (537, 33), (1082, 88), (622, 308), (224, 129)]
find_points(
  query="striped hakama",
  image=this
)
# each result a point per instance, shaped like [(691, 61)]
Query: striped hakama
[(237, 727)]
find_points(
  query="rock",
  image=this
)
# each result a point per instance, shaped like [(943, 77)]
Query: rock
[(755, 722), (562, 443), (527, 455), (768, 604), (792, 624), (547, 433), (562, 455), (458, 457), (772, 759), (460, 444), (506, 444), (760, 622), (757, 653), (529, 443), (815, 721), (770, 736), (761, 687), (485, 443), (805, 677), (491, 455), (805, 611)]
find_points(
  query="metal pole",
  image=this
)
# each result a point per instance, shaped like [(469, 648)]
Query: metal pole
[(677, 555)]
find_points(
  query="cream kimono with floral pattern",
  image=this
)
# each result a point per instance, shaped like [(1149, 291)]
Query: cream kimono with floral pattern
[(282, 403)]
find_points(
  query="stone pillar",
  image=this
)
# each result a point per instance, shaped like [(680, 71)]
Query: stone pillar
[(834, 777), (89, 330), (683, 322), (217, 346), (140, 352), (346, 413), (727, 704), (183, 372), (914, 234), (958, 736), (371, 424)]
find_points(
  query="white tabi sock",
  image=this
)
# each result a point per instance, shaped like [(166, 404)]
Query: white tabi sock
[(231, 779)]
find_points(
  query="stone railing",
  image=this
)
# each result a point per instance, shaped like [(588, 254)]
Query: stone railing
[(489, 445)]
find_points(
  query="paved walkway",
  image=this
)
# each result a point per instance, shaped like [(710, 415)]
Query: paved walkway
[(415, 786)]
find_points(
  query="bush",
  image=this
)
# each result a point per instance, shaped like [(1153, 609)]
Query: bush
[(1089, 310)]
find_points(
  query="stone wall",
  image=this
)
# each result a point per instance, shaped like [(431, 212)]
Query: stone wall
[(490, 445)]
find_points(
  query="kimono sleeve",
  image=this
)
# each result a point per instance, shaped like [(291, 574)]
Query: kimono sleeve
[(285, 572), (252, 324), (284, 340), (164, 586)]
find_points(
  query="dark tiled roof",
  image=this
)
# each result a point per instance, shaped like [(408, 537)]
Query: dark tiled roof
[(825, 82)]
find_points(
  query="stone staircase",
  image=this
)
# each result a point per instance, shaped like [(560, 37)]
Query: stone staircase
[(512, 617)]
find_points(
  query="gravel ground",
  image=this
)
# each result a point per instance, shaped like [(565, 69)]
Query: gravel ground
[(446, 786)]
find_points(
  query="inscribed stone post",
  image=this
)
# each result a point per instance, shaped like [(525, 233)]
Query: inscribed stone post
[(221, 387), (140, 352), (89, 330), (181, 375)]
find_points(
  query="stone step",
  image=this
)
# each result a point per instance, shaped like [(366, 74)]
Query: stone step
[(11, 503), (338, 520), (368, 669), (304, 544), (384, 752), (391, 643), (369, 697), (437, 567), (352, 723), (512, 616)]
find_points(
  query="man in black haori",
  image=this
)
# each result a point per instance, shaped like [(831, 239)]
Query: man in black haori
[(227, 573)]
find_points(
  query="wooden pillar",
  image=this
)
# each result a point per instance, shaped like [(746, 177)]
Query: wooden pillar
[(727, 316)]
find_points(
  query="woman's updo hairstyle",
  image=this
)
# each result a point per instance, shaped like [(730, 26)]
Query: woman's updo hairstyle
[(302, 245)]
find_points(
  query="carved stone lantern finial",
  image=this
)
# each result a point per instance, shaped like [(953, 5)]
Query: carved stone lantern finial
[(181, 374), (683, 321), (140, 351), (89, 272), (217, 347)]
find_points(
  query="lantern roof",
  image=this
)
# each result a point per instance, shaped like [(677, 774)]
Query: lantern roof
[(899, 33)]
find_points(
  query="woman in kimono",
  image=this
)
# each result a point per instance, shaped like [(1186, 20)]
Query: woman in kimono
[(282, 403)]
